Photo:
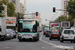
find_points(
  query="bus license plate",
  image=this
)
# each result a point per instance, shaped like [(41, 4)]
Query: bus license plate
[(27, 36)]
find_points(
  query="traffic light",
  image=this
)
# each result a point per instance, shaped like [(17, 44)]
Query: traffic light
[(54, 9), (36, 13)]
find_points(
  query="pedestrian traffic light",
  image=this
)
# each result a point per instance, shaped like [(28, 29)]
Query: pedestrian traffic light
[(54, 9), (46, 19), (36, 13)]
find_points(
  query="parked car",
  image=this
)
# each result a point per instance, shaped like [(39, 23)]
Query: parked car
[(54, 35), (11, 33), (40, 30), (14, 34), (73, 28), (47, 33), (8, 34), (67, 35)]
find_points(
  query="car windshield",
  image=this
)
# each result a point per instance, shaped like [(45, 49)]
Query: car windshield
[(49, 31), (68, 32)]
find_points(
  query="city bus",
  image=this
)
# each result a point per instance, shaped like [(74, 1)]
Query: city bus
[(28, 29)]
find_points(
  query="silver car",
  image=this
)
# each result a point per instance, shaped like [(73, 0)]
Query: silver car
[(10, 32)]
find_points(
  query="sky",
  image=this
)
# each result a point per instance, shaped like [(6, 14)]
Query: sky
[(44, 7)]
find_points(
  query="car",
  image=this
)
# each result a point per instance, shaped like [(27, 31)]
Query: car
[(8, 35), (14, 33), (11, 33), (54, 35), (44, 32), (47, 33), (40, 30), (73, 28), (67, 35)]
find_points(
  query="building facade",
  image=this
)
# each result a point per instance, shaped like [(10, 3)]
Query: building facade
[(21, 8), (63, 7), (24, 6)]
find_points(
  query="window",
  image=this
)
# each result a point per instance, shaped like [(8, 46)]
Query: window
[(68, 32)]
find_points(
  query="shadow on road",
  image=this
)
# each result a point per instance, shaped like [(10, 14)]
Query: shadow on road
[(28, 40)]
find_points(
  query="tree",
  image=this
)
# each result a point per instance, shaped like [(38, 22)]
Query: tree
[(1, 9), (4, 2), (61, 18), (10, 9), (71, 8)]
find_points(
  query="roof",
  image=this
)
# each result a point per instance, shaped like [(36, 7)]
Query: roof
[(68, 29)]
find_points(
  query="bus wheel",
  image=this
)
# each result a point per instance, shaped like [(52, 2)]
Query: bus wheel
[(35, 39), (20, 40)]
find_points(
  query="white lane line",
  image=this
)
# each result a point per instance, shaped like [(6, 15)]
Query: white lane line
[(7, 47), (43, 47), (57, 46)]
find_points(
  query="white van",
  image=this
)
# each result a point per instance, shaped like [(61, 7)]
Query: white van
[(2, 28), (67, 35)]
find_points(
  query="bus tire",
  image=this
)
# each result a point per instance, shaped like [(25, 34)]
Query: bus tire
[(20, 40), (35, 39)]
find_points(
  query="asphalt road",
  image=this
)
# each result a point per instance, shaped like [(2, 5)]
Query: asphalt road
[(43, 44)]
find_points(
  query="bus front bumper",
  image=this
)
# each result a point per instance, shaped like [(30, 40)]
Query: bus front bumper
[(27, 37)]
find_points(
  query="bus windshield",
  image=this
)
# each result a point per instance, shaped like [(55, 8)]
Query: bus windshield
[(28, 26)]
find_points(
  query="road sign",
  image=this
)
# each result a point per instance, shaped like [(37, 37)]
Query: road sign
[(0, 13)]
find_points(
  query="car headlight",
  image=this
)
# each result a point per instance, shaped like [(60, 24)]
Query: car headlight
[(7, 34)]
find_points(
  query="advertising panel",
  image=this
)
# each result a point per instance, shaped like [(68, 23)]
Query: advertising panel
[(55, 26), (11, 21)]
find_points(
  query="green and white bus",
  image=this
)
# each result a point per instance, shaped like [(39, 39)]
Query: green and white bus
[(28, 29)]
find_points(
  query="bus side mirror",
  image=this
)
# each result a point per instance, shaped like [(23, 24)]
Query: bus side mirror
[(37, 23)]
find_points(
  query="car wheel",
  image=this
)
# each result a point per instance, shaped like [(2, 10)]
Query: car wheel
[(50, 38), (58, 39), (71, 41), (45, 35), (74, 41), (61, 40), (35, 39)]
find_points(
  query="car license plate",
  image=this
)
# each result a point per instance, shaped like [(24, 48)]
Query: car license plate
[(55, 36)]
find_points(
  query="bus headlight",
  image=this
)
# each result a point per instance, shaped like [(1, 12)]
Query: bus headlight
[(19, 34), (34, 34)]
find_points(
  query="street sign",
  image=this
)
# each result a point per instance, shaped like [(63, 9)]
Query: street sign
[(0, 13)]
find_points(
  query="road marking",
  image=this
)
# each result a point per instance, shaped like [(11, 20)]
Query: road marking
[(57, 46), (43, 47), (7, 47)]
